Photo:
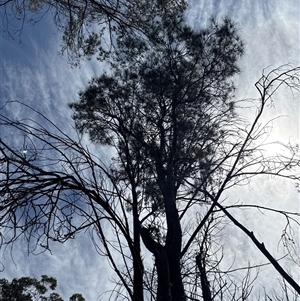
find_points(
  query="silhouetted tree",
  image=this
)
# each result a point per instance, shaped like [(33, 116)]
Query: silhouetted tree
[(163, 105), (87, 26), (31, 289)]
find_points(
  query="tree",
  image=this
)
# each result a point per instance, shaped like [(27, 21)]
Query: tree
[(86, 25), (167, 113), (31, 289), (160, 109)]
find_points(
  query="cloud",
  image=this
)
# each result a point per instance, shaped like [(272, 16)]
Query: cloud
[(35, 74)]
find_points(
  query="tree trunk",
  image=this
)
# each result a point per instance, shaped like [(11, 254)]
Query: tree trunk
[(173, 248), (173, 242), (138, 268), (204, 281), (163, 275), (162, 266), (138, 271)]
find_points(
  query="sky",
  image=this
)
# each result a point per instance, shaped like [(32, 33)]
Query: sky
[(35, 73)]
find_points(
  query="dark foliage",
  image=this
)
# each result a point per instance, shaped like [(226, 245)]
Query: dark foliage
[(31, 289), (87, 26)]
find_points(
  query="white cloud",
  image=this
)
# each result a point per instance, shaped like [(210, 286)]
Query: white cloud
[(36, 75)]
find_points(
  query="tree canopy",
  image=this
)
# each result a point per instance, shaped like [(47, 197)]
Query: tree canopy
[(88, 26), (163, 105), (31, 289)]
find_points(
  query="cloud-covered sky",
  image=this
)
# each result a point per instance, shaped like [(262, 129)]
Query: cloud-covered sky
[(35, 74)]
